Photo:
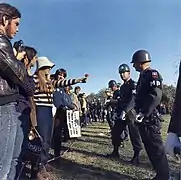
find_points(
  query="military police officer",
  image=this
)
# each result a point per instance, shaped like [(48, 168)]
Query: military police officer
[(108, 108), (127, 103), (148, 97), (116, 96), (124, 105)]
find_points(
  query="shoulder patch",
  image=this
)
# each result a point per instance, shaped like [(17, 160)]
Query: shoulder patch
[(155, 75)]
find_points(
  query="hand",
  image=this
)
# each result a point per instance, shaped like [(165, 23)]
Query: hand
[(172, 141), (107, 101), (139, 117), (123, 116), (19, 55), (84, 80)]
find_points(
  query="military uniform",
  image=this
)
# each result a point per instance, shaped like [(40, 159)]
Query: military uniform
[(148, 97), (109, 113), (126, 103)]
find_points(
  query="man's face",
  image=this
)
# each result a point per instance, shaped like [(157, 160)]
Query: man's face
[(137, 66), (125, 76), (114, 88), (12, 27)]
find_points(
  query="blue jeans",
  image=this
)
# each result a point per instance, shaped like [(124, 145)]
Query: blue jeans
[(20, 146), (8, 128), (45, 123)]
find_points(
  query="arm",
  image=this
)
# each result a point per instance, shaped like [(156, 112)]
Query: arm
[(10, 66), (154, 84), (131, 100), (69, 103), (68, 82), (28, 85)]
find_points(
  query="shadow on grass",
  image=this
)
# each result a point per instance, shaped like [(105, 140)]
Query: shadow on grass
[(96, 136), (69, 170), (105, 131), (123, 159), (96, 127), (93, 141)]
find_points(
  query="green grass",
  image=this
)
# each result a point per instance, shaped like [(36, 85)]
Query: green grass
[(86, 159)]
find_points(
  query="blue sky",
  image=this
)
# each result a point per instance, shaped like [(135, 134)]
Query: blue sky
[(96, 36)]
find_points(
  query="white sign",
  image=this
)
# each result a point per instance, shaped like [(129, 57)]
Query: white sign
[(73, 123), (54, 109)]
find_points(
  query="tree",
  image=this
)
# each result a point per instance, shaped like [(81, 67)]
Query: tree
[(101, 94), (168, 95), (91, 97)]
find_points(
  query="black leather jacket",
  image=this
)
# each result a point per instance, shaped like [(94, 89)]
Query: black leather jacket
[(12, 72)]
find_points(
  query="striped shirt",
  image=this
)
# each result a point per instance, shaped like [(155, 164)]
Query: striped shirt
[(46, 98)]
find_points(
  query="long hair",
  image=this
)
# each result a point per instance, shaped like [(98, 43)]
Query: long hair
[(10, 12), (44, 82), (30, 53)]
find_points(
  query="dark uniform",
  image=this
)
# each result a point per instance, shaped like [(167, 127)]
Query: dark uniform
[(148, 97), (126, 103), (108, 108)]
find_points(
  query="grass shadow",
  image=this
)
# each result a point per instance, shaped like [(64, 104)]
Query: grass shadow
[(96, 127), (93, 141), (69, 170), (96, 136)]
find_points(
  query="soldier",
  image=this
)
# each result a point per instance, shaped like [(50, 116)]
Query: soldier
[(127, 102), (124, 105), (113, 102), (108, 109), (148, 97)]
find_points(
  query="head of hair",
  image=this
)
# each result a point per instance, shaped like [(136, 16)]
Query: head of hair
[(9, 12)]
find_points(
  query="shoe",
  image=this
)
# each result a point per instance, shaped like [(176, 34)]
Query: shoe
[(135, 161), (113, 155)]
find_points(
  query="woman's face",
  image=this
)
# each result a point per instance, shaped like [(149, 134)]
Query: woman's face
[(47, 73), (61, 76), (33, 61)]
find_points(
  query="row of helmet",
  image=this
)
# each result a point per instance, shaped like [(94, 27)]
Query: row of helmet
[(140, 56)]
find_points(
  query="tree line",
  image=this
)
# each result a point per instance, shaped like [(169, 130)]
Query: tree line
[(167, 98)]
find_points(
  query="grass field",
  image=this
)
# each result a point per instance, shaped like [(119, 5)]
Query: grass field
[(86, 159)]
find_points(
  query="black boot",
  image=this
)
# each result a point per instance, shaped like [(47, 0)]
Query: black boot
[(115, 153), (135, 159)]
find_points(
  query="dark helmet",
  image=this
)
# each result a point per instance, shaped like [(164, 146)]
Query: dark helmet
[(141, 56), (59, 71), (119, 84), (123, 68), (112, 83)]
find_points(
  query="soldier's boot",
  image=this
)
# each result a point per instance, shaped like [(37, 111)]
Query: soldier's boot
[(115, 153), (135, 159)]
